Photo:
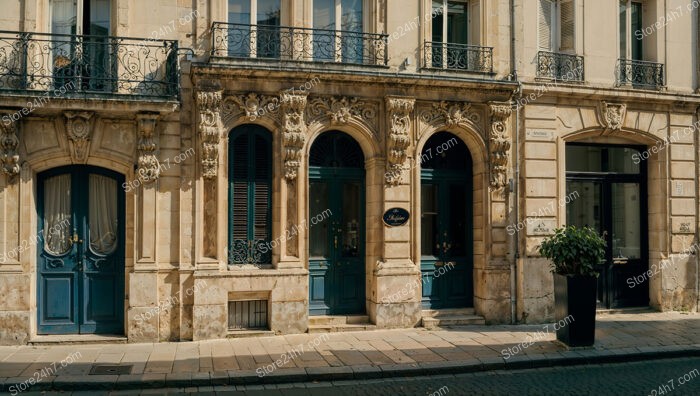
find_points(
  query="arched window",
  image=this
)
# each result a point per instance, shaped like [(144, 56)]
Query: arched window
[(250, 192)]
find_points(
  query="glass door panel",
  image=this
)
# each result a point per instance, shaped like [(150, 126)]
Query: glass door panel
[(350, 223), (319, 233), (351, 24), (268, 29), (429, 220), (239, 36), (626, 234), (324, 42), (586, 210)]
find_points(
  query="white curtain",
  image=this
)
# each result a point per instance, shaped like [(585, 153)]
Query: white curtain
[(103, 214), (57, 213)]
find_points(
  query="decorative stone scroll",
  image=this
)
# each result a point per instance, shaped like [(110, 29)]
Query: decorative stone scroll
[(79, 131), (399, 111), (499, 144), (8, 148), (148, 166), (293, 132), (612, 115), (454, 113), (340, 110), (210, 125)]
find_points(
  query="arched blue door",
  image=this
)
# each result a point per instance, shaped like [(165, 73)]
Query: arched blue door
[(80, 264), (336, 226), (446, 223)]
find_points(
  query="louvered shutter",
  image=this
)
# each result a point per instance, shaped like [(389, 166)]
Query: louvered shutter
[(566, 25), (544, 20), (250, 192)]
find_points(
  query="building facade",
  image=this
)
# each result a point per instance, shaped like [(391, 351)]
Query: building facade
[(282, 166)]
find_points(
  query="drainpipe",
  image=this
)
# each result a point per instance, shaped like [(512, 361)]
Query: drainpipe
[(516, 178)]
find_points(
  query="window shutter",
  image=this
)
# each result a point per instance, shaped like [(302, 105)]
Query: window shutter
[(261, 189), (567, 25), (544, 30)]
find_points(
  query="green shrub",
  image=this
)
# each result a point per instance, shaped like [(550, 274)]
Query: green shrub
[(574, 251)]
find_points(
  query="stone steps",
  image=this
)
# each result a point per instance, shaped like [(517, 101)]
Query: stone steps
[(451, 317), (333, 324)]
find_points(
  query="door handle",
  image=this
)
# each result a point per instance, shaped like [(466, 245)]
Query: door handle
[(439, 264), (335, 241)]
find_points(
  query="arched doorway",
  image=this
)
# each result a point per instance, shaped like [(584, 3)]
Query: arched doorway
[(80, 268), (446, 223), (336, 226)]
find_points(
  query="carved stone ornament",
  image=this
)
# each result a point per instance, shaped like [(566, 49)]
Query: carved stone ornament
[(210, 125), (79, 130), (399, 111), (453, 113), (613, 115), (340, 110), (8, 148), (499, 144), (148, 166), (293, 132), (254, 106)]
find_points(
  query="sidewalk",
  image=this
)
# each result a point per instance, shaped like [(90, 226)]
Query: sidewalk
[(333, 356)]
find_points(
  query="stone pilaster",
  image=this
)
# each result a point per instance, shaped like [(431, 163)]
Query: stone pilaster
[(394, 299), (293, 109)]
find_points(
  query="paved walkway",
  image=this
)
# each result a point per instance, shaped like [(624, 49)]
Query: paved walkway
[(371, 354)]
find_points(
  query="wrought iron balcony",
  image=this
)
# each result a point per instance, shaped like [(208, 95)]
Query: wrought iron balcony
[(640, 74), (464, 57), (560, 67), (240, 41), (74, 65)]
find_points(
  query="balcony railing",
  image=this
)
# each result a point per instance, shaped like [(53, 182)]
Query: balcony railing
[(240, 41), (560, 67), (640, 74), (71, 65), (463, 57)]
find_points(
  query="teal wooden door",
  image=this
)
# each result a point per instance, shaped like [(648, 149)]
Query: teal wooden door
[(80, 252), (446, 224), (336, 226)]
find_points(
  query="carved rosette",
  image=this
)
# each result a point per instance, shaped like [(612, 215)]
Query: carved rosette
[(8, 148), (399, 111), (453, 113), (613, 115), (148, 165), (79, 131), (210, 125), (341, 110), (254, 106), (499, 144), (293, 132)]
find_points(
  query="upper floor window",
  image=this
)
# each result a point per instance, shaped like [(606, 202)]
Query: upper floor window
[(630, 23), (262, 41), (556, 25), (338, 24), (89, 17), (450, 21), (346, 15)]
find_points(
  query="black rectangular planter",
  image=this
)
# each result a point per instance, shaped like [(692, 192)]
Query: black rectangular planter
[(575, 296)]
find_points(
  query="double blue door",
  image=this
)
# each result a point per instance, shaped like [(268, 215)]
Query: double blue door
[(80, 251)]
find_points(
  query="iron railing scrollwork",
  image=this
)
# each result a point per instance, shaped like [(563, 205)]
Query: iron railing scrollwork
[(249, 252), (78, 64), (472, 58), (640, 74), (559, 66), (233, 40)]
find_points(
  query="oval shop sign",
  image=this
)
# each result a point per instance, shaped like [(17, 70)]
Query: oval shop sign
[(395, 217)]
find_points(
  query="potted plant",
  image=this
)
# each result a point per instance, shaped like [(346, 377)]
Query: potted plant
[(575, 253)]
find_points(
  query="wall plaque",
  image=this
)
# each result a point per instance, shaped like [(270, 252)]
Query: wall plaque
[(395, 217)]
